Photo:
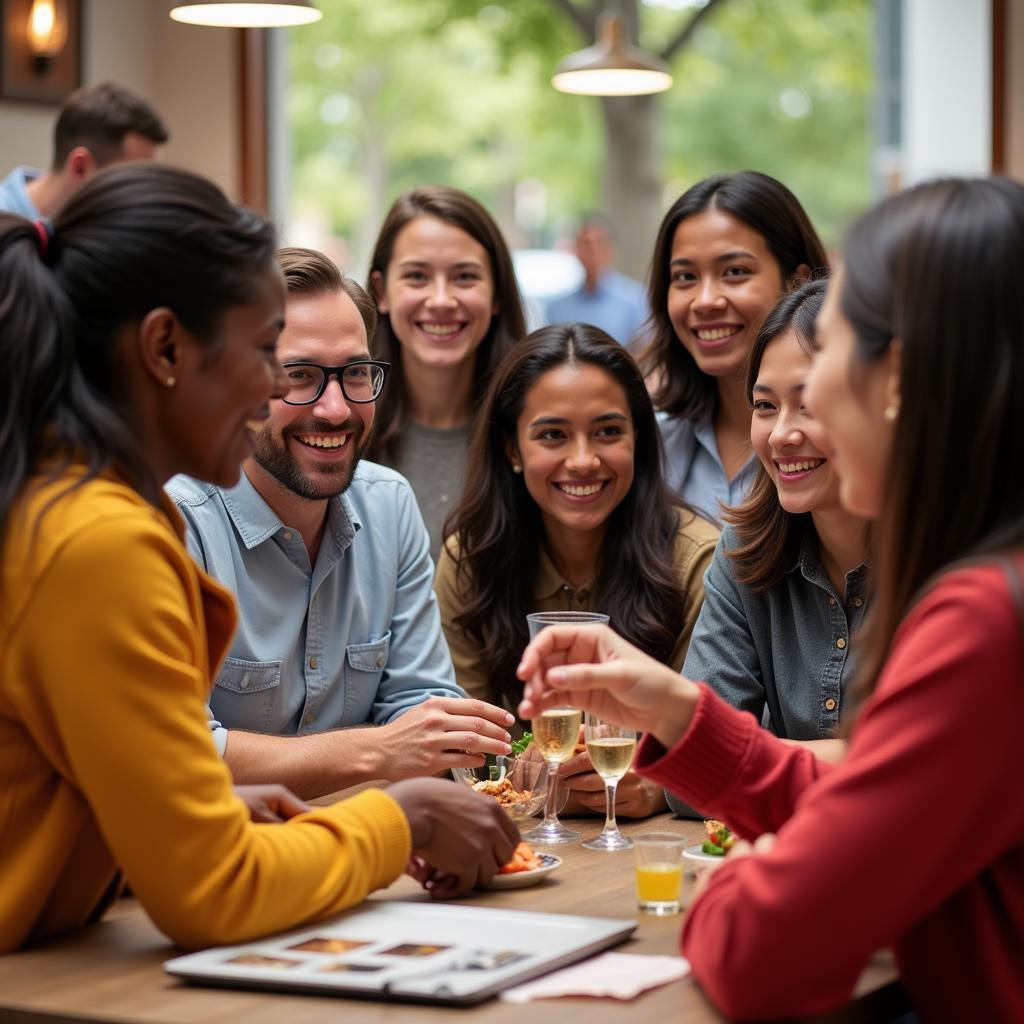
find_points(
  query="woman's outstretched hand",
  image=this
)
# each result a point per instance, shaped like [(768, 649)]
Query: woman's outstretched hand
[(592, 668)]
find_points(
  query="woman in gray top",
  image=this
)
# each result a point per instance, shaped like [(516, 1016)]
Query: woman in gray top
[(449, 306), (787, 584)]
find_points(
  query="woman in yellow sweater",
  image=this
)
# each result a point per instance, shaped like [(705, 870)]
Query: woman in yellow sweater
[(137, 340)]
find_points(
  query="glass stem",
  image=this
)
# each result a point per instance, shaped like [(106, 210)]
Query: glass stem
[(550, 803), (611, 826)]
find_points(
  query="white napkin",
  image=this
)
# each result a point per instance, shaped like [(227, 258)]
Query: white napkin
[(620, 975)]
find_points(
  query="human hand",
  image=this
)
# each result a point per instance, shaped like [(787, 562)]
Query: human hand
[(439, 734), (459, 838), (271, 803), (592, 668), (635, 797), (740, 849)]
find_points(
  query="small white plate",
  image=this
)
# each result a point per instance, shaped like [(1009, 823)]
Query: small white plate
[(522, 879)]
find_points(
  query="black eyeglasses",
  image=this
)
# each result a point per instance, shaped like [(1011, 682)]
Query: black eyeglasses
[(361, 381)]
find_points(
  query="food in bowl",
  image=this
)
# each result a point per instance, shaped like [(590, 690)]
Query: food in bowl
[(720, 839), (519, 784), (504, 792)]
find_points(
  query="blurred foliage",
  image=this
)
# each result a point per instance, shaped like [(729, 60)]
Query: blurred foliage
[(387, 95)]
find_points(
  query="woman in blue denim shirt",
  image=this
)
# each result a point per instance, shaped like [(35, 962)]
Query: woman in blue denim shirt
[(786, 586), (726, 252)]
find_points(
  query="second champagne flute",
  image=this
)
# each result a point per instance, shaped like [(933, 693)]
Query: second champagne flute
[(611, 750)]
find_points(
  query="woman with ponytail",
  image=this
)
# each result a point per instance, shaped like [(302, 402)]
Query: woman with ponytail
[(137, 340)]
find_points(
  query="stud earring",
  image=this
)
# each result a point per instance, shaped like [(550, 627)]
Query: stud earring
[(891, 413), (170, 382), (516, 468)]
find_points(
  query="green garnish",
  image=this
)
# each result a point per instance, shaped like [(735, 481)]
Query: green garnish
[(519, 746), (713, 848)]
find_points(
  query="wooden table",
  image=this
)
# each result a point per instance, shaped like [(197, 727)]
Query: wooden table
[(111, 971)]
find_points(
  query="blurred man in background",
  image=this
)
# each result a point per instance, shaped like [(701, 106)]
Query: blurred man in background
[(607, 299), (97, 125)]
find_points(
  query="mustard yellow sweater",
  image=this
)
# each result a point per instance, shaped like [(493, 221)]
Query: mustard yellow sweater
[(109, 637)]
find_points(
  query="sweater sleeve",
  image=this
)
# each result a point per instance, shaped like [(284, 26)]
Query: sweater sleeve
[(122, 693), (927, 798)]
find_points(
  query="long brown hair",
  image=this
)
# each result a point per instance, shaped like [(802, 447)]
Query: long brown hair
[(500, 532), (770, 537), (507, 326), (940, 267), (763, 204)]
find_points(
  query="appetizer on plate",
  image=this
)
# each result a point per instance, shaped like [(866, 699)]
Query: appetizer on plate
[(719, 840)]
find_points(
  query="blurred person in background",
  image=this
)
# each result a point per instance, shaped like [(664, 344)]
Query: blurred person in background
[(97, 125), (605, 298)]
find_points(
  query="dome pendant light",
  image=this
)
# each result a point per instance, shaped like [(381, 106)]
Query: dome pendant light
[(611, 67), (252, 14)]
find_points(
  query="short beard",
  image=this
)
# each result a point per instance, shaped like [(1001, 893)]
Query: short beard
[(278, 461)]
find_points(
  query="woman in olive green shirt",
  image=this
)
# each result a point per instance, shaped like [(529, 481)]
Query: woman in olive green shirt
[(565, 508)]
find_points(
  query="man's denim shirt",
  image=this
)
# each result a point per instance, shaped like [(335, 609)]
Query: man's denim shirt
[(354, 639), (782, 655)]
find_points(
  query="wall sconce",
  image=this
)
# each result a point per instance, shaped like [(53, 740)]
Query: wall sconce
[(254, 14), (611, 67), (46, 31)]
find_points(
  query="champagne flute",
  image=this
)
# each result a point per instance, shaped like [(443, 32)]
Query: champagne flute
[(555, 733), (611, 750)]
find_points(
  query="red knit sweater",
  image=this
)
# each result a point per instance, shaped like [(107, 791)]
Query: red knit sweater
[(915, 841)]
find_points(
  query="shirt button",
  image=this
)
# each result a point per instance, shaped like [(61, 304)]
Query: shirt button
[(858, 601), (381, 661), (313, 663), (832, 601), (288, 534), (245, 682), (841, 643), (830, 704)]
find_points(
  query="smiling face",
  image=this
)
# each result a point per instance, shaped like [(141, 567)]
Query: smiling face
[(313, 449), (849, 397), (438, 291), (574, 442), (722, 280), (214, 399), (790, 443)]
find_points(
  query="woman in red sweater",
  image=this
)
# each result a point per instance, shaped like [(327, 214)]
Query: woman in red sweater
[(917, 839)]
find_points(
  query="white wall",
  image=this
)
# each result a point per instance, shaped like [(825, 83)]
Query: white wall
[(947, 88), (189, 74)]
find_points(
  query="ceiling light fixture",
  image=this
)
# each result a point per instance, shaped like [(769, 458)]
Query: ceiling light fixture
[(611, 67), (253, 14)]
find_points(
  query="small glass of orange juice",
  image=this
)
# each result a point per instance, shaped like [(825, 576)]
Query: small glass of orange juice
[(659, 871)]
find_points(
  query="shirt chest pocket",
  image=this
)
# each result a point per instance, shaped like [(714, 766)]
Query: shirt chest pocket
[(245, 693), (364, 666)]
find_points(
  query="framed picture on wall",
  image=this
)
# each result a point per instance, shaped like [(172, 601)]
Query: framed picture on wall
[(41, 52)]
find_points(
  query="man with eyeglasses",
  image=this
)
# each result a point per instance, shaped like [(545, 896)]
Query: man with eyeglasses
[(328, 558)]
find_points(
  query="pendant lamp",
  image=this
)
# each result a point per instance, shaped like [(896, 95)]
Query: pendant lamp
[(611, 67), (252, 14)]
